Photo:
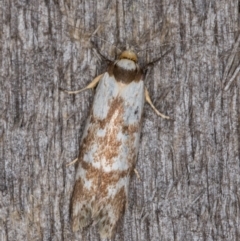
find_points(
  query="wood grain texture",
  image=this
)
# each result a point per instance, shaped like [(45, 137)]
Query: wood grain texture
[(189, 166)]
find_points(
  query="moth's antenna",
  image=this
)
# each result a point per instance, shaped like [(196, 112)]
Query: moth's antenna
[(145, 49), (148, 48), (104, 40)]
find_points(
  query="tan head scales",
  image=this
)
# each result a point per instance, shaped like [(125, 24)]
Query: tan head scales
[(128, 54)]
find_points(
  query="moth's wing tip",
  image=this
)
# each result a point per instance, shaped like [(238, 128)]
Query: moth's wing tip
[(80, 222), (101, 218), (75, 226), (106, 232), (80, 216)]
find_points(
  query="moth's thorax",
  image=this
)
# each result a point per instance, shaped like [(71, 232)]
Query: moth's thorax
[(125, 71)]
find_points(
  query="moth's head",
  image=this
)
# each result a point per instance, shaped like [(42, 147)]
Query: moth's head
[(125, 69), (129, 54)]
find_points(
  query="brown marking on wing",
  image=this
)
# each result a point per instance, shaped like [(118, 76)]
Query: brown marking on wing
[(109, 145), (100, 179)]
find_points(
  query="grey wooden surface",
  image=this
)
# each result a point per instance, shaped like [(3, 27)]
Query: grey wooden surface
[(189, 166)]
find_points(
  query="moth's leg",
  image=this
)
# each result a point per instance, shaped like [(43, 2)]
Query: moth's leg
[(147, 97), (72, 162), (137, 174), (90, 86)]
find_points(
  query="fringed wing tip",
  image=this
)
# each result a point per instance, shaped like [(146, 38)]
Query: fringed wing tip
[(79, 222)]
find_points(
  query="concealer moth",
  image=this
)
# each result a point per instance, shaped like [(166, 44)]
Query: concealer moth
[(109, 146)]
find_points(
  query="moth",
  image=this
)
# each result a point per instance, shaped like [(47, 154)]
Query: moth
[(109, 146)]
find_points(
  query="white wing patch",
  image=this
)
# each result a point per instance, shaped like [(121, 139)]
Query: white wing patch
[(107, 156)]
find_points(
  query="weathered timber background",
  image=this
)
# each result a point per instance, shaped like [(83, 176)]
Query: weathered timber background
[(189, 166)]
